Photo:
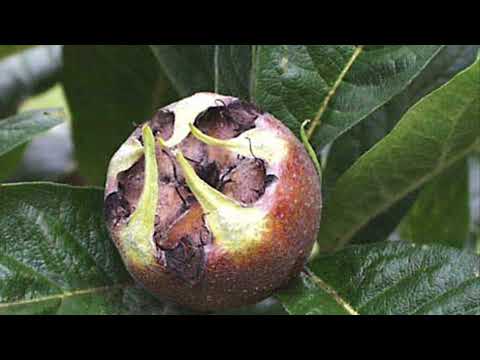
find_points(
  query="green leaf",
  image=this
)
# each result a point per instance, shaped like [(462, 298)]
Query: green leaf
[(360, 139), (434, 134), (109, 88), (18, 130), (336, 86), (309, 295), (48, 157), (27, 73), (22, 75), (234, 70), (382, 227), (52, 98), (402, 279), (346, 150), (190, 68), (441, 213), (56, 256), (7, 50), (22, 128), (343, 154), (55, 253), (10, 162), (341, 83)]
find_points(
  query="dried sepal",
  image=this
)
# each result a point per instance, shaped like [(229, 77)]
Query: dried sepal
[(214, 204), (137, 236), (256, 143), (234, 227), (186, 112)]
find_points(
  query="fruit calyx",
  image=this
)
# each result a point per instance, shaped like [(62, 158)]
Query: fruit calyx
[(213, 203), (232, 179)]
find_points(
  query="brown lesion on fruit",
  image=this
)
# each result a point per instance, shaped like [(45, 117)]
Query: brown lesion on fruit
[(116, 209), (182, 248), (186, 260), (252, 175), (181, 232)]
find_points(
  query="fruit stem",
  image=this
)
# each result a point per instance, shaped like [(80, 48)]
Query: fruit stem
[(309, 147)]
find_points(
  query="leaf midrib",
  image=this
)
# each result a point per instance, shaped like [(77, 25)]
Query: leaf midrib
[(329, 290), (5, 126), (333, 91), (441, 165), (32, 271), (65, 295)]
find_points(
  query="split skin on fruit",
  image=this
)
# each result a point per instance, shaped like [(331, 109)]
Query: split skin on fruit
[(213, 204)]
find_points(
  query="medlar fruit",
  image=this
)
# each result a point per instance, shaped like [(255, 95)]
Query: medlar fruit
[(213, 204)]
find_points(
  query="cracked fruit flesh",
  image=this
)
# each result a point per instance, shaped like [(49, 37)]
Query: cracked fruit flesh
[(213, 203)]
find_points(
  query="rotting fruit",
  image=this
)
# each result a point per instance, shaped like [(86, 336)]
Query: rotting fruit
[(213, 204)]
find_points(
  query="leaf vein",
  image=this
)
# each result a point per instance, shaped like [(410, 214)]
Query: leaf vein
[(324, 286), (64, 295), (333, 90)]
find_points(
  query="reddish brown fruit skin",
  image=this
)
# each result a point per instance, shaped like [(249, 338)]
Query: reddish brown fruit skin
[(294, 223), (232, 280)]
